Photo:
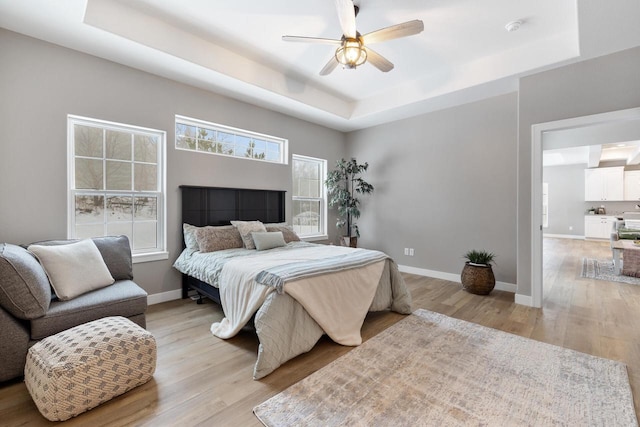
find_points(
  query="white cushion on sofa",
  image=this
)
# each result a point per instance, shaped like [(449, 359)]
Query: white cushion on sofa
[(73, 269)]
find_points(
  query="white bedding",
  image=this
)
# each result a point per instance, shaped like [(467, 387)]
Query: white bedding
[(283, 322)]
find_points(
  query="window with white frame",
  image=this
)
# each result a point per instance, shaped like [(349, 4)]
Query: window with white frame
[(212, 138), (117, 184), (309, 196)]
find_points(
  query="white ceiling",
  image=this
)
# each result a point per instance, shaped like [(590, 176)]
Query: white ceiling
[(235, 48), (617, 140), (628, 151)]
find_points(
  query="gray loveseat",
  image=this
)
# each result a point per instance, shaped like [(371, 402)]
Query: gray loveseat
[(30, 311)]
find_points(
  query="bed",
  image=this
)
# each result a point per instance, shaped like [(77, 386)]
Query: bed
[(259, 284)]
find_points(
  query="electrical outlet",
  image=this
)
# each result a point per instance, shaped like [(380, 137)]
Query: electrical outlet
[(410, 251), (406, 251)]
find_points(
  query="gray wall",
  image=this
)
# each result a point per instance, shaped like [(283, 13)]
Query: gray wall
[(41, 83), (445, 183), (566, 199), (608, 83)]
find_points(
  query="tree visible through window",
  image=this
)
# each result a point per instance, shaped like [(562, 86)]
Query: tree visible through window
[(309, 201), (198, 135), (116, 176)]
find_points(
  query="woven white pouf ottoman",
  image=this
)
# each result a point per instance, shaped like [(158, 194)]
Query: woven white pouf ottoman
[(80, 368)]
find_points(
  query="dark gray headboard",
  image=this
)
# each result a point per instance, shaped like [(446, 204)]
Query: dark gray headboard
[(218, 206)]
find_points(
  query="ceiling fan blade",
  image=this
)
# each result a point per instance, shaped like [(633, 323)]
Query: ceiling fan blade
[(331, 65), (310, 40), (347, 17), (408, 28), (378, 61)]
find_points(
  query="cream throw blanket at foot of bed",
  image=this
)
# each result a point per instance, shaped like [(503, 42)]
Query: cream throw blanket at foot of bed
[(339, 301)]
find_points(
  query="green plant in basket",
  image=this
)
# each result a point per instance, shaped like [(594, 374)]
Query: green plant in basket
[(477, 276), (481, 257)]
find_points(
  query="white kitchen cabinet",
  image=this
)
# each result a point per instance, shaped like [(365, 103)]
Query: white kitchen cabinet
[(604, 184), (598, 227), (632, 185)]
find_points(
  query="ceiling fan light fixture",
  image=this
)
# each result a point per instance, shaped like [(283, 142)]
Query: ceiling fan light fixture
[(351, 53)]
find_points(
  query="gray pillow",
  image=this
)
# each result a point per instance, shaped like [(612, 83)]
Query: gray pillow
[(24, 287), (115, 251), (268, 240)]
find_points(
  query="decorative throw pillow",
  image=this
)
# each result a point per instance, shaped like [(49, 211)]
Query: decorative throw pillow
[(287, 231), (73, 269), (210, 239), (115, 251), (24, 288), (268, 240), (246, 228), (189, 233)]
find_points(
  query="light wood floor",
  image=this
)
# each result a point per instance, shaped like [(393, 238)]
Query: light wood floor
[(202, 380)]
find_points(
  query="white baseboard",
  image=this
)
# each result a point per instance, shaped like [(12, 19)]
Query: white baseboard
[(564, 236), (501, 286), (429, 273), (507, 287), (524, 300), (164, 297)]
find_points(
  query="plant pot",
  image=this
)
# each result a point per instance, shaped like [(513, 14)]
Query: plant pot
[(477, 278), (349, 241)]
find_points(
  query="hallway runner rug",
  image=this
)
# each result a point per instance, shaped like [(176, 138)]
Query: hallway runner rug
[(433, 370)]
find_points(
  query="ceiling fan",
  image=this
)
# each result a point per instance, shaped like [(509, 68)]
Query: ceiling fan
[(353, 48)]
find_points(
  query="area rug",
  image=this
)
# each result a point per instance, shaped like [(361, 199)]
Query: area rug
[(602, 269), (433, 370)]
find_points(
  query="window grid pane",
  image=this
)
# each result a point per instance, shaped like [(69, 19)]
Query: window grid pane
[(196, 135), (145, 149), (118, 145), (145, 208), (89, 209), (88, 141), (306, 217), (119, 208), (118, 175), (89, 174)]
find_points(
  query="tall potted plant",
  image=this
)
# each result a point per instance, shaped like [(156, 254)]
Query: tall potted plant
[(343, 185)]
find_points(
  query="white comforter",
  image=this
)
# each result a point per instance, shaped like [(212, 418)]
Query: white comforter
[(338, 301), (290, 324)]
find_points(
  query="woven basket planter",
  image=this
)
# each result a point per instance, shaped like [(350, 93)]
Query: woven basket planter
[(477, 278)]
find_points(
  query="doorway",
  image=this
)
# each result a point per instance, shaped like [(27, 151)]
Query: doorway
[(623, 122)]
